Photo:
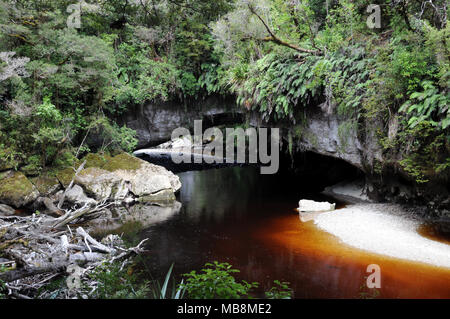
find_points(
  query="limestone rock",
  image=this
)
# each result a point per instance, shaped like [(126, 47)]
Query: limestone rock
[(144, 178), (136, 217), (349, 191), (306, 205), (102, 184), (125, 175), (76, 195)]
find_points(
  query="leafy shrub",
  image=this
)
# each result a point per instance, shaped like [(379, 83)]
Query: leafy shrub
[(114, 138), (216, 282), (281, 290), (116, 283), (429, 105), (143, 79), (425, 149), (277, 85)]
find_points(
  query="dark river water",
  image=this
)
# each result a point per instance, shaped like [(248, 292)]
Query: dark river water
[(249, 220)]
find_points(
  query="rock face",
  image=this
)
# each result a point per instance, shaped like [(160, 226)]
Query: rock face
[(16, 190), (155, 122), (350, 191), (325, 133)]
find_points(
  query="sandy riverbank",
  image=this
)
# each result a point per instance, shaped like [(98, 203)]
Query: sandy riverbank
[(384, 229)]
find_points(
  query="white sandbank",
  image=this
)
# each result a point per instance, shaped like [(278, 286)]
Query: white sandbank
[(382, 229)]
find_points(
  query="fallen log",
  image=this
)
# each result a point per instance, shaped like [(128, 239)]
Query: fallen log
[(96, 244), (24, 272), (73, 215)]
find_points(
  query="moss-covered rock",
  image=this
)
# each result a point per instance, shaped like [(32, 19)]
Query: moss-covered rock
[(145, 178), (16, 190), (46, 184), (65, 176), (95, 160), (115, 177), (123, 162)]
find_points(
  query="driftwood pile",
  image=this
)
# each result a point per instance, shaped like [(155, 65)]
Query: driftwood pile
[(35, 249)]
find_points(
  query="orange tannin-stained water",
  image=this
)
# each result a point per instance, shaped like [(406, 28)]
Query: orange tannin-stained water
[(345, 267), (237, 216)]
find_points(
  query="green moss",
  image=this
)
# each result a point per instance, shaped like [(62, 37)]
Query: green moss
[(124, 162), (14, 187), (65, 159), (65, 176), (95, 160), (93, 171), (45, 183)]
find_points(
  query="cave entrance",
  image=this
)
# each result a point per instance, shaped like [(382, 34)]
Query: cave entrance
[(309, 171)]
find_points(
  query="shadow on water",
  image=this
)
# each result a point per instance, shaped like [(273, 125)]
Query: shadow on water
[(249, 220)]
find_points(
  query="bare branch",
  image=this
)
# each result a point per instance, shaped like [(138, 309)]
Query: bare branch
[(277, 40)]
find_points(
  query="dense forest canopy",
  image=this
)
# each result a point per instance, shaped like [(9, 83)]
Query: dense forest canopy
[(69, 68)]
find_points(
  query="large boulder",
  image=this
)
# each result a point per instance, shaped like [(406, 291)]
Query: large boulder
[(144, 178), (16, 190), (102, 184), (124, 174)]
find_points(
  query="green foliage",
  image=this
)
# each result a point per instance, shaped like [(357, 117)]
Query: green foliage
[(426, 153), (143, 78), (3, 289), (278, 85), (216, 282), (428, 105), (159, 291), (280, 290), (116, 283), (114, 138)]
